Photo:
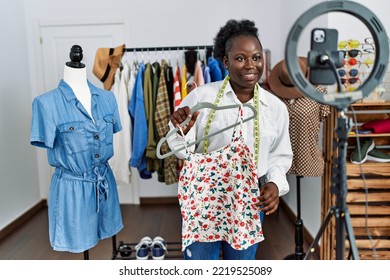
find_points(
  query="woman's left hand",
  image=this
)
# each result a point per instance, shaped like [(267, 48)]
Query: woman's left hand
[(269, 198)]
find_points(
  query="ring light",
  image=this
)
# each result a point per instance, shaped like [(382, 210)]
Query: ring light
[(339, 99)]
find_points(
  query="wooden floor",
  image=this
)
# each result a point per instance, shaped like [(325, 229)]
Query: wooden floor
[(30, 241)]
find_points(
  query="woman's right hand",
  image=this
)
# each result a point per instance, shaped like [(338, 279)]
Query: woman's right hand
[(180, 115)]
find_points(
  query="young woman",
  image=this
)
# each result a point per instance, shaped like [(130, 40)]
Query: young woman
[(224, 212)]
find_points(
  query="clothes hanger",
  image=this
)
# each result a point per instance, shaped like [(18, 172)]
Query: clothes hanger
[(197, 107)]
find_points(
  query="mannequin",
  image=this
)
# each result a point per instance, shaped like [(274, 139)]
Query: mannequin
[(75, 75), (83, 203)]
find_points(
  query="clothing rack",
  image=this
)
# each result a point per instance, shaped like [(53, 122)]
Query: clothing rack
[(190, 53), (172, 48)]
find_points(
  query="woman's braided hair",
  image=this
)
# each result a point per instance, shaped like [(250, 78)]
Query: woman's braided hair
[(232, 29)]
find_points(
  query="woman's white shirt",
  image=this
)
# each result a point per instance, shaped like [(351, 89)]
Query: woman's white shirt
[(275, 153)]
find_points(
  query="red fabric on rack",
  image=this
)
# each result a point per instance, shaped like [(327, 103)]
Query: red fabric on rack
[(378, 126)]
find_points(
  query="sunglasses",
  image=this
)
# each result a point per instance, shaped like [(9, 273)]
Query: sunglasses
[(369, 50), (350, 88), (352, 72), (368, 61), (353, 44), (350, 80), (350, 43), (352, 61), (352, 53)]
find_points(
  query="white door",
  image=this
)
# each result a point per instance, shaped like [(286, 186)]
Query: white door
[(56, 42)]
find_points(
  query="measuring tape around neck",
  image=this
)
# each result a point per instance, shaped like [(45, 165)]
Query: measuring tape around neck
[(212, 115)]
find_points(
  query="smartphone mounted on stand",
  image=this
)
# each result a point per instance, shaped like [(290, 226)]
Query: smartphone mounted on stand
[(323, 42)]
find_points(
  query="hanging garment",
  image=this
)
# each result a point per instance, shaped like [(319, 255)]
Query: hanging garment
[(147, 91), (151, 158), (116, 82), (224, 71), (156, 81), (169, 83), (198, 75), (130, 89), (306, 116), (190, 57), (177, 101), (206, 74), (140, 126), (184, 91), (162, 119), (217, 193), (122, 141), (176, 89), (215, 70), (131, 82), (83, 200)]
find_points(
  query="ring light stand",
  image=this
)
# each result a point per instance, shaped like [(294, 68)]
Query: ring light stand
[(340, 100)]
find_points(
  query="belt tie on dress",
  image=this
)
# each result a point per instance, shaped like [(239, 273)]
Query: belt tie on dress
[(101, 185), (98, 179)]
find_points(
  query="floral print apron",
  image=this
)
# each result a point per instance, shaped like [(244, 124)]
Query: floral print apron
[(217, 195)]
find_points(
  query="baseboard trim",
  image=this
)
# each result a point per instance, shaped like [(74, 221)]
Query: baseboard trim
[(22, 219), (143, 201), (306, 234), (159, 200)]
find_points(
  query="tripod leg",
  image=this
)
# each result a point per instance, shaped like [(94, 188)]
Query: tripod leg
[(319, 234), (351, 236)]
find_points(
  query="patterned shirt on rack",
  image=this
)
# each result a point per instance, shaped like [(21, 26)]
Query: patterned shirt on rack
[(161, 118), (306, 116)]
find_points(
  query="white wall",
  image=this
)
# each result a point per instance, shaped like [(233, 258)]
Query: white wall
[(18, 163)]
